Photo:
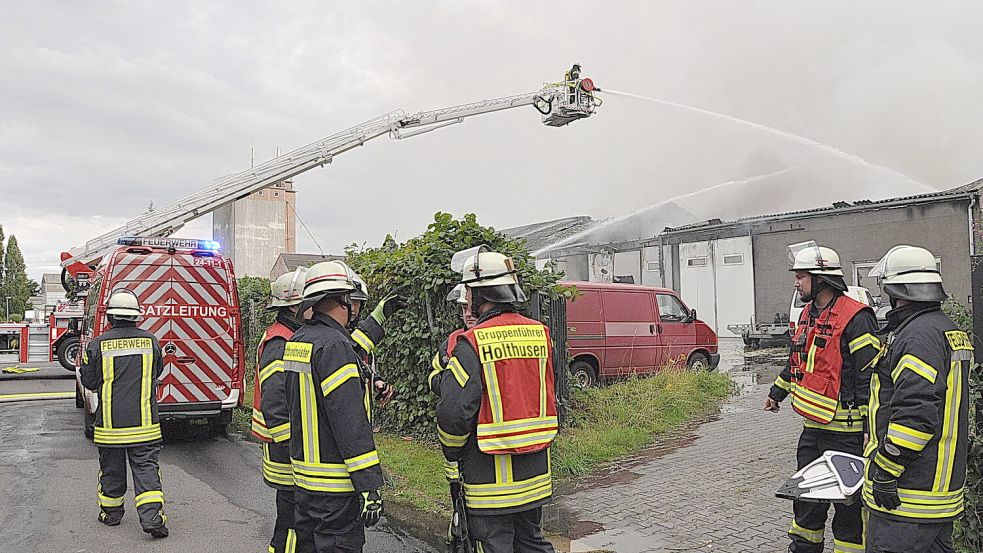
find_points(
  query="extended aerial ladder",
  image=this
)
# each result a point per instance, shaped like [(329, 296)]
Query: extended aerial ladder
[(559, 104)]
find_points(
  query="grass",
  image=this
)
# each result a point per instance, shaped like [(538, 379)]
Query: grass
[(606, 423)]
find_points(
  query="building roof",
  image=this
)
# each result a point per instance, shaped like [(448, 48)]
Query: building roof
[(538, 235), (293, 260), (965, 190), (51, 278)]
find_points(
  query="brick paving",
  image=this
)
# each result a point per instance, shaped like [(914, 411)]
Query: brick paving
[(708, 489)]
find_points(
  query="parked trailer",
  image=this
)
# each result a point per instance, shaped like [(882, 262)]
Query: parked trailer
[(756, 334)]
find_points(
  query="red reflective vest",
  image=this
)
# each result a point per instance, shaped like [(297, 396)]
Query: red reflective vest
[(276, 330), (518, 406), (817, 365)]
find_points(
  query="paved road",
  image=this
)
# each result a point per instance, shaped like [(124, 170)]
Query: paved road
[(215, 499), (709, 488)]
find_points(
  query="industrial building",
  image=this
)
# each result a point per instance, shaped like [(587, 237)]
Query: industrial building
[(256, 229)]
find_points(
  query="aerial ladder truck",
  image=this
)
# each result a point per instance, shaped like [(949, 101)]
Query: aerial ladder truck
[(559, 104)]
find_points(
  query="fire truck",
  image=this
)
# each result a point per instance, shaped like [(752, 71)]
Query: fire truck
[(87, 270), (64, 333)]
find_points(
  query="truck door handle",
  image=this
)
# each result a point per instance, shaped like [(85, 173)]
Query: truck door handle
[(651, 329)]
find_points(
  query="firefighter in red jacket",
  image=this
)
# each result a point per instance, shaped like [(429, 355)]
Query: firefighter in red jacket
[(332, 450), (827, 375), (123, 365), (271, 419), (919, 412), (497, 411)]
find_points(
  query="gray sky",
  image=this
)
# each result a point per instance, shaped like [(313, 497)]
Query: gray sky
[(109, 106)]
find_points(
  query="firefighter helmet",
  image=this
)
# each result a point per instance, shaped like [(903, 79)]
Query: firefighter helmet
[(361, 292), (494, 275), (817, 260), (909, 273), (124, 305), (457, 295), (329, 278), (288, 289)]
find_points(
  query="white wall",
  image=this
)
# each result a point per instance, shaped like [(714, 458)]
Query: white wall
[(628, 264), (722, 293), (696, 285)]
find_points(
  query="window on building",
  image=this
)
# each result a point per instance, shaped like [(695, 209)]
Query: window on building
[(276, 194), (651, 265), (734, 259), (697, 261)]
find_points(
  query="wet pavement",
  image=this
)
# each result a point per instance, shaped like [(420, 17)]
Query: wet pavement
[(215, 498), (707, 487)]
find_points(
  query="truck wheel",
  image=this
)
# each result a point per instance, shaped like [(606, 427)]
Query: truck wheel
[(68, 352), (79, 400), (218, 425), (698, 362), (582, 374)]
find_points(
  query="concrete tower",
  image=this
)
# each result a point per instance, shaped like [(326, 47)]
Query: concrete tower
[(253, 231)]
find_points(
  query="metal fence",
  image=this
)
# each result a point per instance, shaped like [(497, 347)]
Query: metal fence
[(552, 312)]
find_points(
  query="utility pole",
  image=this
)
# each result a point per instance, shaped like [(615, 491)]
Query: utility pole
[(7, 310)]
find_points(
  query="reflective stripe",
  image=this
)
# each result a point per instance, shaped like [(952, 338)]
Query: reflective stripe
[(812, 536), (127, 436), (106, 397), (543, 423), (336, 470), (840, 546), (458, 371), (106, 501), (920, 504), (875, 405), (146, 387), (542, 387), (152, 496), (890, 466), (280, 433), (322, 477), (259, 425), (499, 495), (802, 403), (907, 437), (844, 421), (363, 461), (363, 340), (811, 358), (323, 485), (451, 440), (435, 363), (499, 443), (863, 341), (308, 413), (291, 545), (275, 472), (269, 370), (451, 470), (433, 374), (493, 392), (339, 377), (783, 384), (917, 366), (944, 464)]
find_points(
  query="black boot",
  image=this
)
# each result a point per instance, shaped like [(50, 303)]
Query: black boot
[(159, 532), (111, 518)]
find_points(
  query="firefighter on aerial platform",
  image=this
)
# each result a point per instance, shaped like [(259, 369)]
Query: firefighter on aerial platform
[(827, 375), (497, 411), (271, 419), (919, 409), (123, 365), (332, 450), (571, 77)]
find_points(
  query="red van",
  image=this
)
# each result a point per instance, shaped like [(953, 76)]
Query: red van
[(621, 329), (188, 299)]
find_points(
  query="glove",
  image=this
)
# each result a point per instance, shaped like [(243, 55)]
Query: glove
[(389, 305), (885, 490), (371, 511)]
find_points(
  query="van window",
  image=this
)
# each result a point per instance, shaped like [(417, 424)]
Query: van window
[(585, 307), (628, 307), (671, 310)]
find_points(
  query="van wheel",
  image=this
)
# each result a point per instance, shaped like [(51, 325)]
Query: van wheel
[(582, 374), (698, 362), (68, 352)]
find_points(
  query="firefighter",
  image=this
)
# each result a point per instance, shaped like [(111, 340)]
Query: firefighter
[(271, 419), (571, 77), (497, 411), (332, 452), (919, 410), (827, 372), (123, 366), (368, 333)]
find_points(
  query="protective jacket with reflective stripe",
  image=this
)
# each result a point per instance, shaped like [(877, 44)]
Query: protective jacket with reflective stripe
[(123, 366), (829, 364), (497, 483), (332, 449), (271, 421), (440, 362), (919, 405)]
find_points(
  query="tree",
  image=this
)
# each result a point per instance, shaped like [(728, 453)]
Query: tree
[(34, 287), (3, 286), (16, 284)]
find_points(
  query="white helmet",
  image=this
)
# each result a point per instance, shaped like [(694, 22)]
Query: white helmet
[(493, 274), (457, 295), (816, 260), (328, 278), (361, 292), (288, 289), (123, 305), (909, 273)]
